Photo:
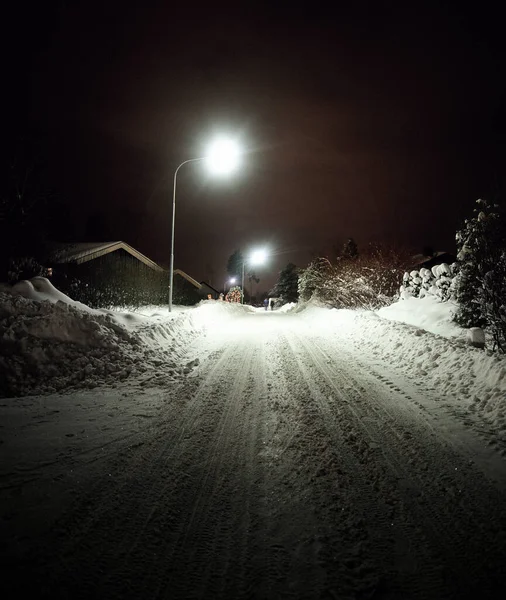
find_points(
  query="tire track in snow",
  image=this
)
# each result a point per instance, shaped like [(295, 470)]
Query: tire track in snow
[(205, 532), (108, 513), (277, 473), (431, 482), (190, 482), (368, 496)]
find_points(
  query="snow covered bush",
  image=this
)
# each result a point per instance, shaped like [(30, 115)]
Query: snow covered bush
[(438, 282), (369, 280), (444, 276), (411, 285), (23, 267), (480, 287), (312, 278), (493, 302)]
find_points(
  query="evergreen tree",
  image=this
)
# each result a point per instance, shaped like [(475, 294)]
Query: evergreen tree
[(234, 295), (27, 208), (312, 278), (235, 264), (287, 286), (480, 285), (350, 249)]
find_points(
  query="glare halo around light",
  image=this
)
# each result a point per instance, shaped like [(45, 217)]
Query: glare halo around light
[(222, 156), (258, 257)]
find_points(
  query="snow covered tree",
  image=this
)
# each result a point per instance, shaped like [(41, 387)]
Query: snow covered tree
[(369, 281), (234, 295), (287, 286), (312, 278), (481, 245), (493, 301)]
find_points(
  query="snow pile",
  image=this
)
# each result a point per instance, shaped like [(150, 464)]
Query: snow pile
[(40, 289), (444, 365), (50, 343), (428, 313), (287, 307)]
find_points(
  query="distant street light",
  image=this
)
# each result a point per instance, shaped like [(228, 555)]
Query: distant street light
[(222, 158), (230, 283), (258, 257)]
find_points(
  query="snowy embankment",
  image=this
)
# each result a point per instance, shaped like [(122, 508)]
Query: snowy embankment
[(418, 337), (50, 343)]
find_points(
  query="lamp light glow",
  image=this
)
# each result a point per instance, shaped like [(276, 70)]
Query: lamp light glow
[(258, 257), (223, 156)]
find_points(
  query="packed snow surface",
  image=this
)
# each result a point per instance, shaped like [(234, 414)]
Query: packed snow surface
[(50, 343), (225, 452)]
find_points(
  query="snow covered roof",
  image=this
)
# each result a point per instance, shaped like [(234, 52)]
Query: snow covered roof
[(84, 252)]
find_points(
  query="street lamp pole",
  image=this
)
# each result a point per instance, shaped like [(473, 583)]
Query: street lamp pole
[(242, 284), (171, 276), (222, 158)]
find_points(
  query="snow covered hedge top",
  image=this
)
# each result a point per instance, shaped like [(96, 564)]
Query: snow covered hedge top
[(438, 282)]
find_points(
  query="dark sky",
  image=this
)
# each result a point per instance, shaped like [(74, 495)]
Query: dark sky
[(383, 121)]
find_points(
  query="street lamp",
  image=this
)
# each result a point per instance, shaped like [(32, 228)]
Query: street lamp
[(258, 257), (222, 158), (228, 283)]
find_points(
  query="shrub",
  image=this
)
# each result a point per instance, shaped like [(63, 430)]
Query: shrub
[(480, 287), (369, 280)]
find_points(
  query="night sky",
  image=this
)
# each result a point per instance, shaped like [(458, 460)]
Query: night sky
[(381, 121)]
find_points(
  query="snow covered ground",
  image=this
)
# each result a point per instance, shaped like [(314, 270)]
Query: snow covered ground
[(300, 453), (50, 343), (417, 336)]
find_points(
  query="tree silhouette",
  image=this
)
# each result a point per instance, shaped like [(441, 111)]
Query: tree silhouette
[(350, 249), (235, 264)]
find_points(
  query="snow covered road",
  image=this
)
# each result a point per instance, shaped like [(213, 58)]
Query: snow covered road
[(290, 463)]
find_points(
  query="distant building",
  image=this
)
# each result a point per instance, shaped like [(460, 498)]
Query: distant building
[(116, 274), (421, 261), (207, 289), (203, 289)]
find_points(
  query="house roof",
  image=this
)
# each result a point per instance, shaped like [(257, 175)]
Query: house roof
[(204, 283), (419, 260), (84, 252), (188, 278)]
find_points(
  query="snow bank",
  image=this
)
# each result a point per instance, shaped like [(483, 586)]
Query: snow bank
[(289, 306), (40, 289), (447, 367), (428, 313), (50, 343)]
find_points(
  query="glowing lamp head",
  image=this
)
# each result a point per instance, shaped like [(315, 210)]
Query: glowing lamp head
[(223, 156), (258, 257)]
